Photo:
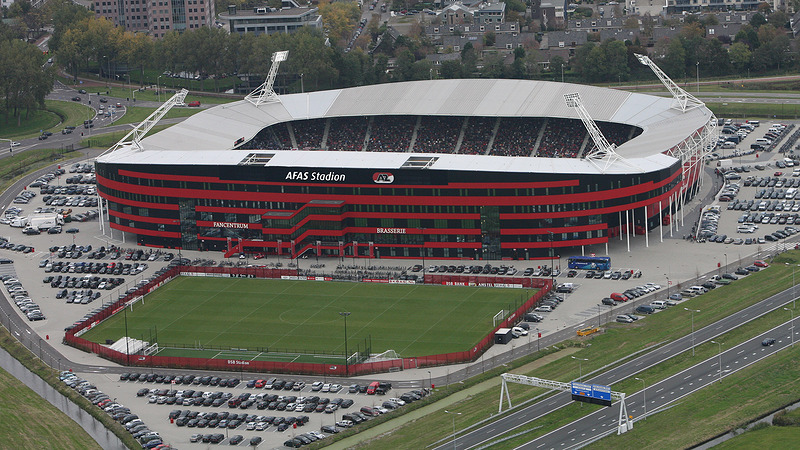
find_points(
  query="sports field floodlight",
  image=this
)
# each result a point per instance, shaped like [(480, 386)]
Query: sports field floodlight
[(681, 99), (603, 151), (346, 356), (264, 93)]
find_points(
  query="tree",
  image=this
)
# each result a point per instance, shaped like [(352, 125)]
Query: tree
[(23, 82), (451, 70), (778, 19), (740, 56), (674, 62), (713, 57), (403, 67), (489, 38), (339, 18), (469, 59), (64, 14), (757, 20), (616, 60)]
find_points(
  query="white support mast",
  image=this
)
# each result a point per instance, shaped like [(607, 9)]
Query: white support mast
[(140, 131), (624, 424), (264, 93), (604, 152), (681, 99)]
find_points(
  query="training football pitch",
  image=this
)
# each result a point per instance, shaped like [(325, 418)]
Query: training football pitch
[(280, 316)]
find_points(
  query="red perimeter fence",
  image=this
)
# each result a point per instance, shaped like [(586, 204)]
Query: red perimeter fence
[(73, 338)]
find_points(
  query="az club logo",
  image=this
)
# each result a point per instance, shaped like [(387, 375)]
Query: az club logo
[(382, 177)]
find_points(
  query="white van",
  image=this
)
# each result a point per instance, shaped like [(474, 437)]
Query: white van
[(789, 162), (518, 331), (543, 308), (698, 289), (754, 123), (659, 304), (790, 193), (763, 141)]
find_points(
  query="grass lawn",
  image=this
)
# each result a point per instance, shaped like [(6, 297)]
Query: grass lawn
[(108, 139), (770, 437), (29, 421), (304, 315), (748, 110), (763, 387), (57, 115), (26, 162), (136, 114)]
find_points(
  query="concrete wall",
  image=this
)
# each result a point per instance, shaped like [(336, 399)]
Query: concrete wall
[(105, 438)]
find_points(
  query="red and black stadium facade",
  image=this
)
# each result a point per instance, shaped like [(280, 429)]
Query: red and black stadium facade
[(205, 184)]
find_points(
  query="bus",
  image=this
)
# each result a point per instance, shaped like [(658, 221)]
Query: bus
[(589, 262)]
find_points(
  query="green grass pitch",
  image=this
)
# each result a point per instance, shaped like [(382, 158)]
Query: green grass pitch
[(304, 316)]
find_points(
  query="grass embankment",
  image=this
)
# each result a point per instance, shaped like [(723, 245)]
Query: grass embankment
[(55, 117), (14, 167), (769, 437), (108, 139), (50, 376), (753, 110), (29, 421), (619, 340)]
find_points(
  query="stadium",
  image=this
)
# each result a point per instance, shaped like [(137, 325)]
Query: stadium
[(445, 169)]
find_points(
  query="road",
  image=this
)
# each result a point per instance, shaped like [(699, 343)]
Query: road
[(487, 433)]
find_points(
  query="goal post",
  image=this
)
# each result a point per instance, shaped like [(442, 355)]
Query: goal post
[(498, 318)]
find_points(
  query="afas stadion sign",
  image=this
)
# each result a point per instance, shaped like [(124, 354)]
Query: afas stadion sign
[(295, 175)]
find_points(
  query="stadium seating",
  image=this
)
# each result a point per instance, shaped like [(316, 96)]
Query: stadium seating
[(508, 136)]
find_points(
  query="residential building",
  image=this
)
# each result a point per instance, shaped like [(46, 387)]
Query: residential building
[(157, 17)]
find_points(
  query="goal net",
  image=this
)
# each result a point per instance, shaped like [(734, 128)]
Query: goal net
[(498, 318)]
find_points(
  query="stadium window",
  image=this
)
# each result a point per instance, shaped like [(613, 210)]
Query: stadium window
[(144, 212), (127, 210)]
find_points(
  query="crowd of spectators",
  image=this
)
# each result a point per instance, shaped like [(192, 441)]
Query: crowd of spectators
[(308, 133), (562, 139), (438, 134), (347, 134), (517, 136), (391, 133), (477, 135)]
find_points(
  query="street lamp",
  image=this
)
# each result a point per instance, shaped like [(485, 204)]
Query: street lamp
[(346, 368), (792, 327), (562, 73), (422, 251), (726, 262), (720, 359), (644, 396), (158, 87), (692, 311), (430, 380), (698, 77), (454, 414), (580, 367)]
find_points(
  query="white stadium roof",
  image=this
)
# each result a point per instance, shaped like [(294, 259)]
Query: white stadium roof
[(214, 131)]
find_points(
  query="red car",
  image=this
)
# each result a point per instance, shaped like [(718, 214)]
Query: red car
[(760, 263), (778, 174), (194, 103), (260, 384)]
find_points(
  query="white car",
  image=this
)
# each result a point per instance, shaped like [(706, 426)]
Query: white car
[(251, 426), (544, 308), (316, 386), (398, 401), (326, 387), (335, 388), (261, 426)]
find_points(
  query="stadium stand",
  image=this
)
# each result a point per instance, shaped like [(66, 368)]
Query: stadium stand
[(347, 133), (517, 136), (477, 135), (275, 137), (438, 134), (391, 133), (308, 133), (562, 139)]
